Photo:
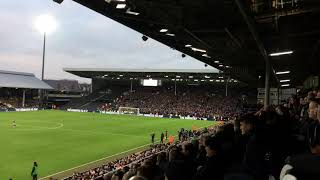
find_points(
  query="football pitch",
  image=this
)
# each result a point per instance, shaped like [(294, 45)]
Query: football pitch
[(60, 140)]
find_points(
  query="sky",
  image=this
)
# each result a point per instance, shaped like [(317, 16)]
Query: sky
[(83, 39)]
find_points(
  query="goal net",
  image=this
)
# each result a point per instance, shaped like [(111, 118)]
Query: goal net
[(128, 110)]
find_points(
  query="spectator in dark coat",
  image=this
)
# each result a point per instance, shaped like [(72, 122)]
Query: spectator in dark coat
[(267, 150), (247, 129), (306, 166), (214, 167)]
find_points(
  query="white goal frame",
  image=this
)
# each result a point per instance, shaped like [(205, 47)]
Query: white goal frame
[(129, 110)]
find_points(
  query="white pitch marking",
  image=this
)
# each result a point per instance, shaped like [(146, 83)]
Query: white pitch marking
[(38, 127)]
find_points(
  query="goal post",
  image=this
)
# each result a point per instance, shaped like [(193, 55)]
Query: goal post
[(128, 110)]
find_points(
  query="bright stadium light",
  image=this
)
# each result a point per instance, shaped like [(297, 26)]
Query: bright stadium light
[(163, 30), (199, 50), (216, 62), (285, 85), (282, 72), (170, 34), (45, 23), (281, 53), (285, 80), (129, 11), (121, 6), (188, 45), (206, 55)]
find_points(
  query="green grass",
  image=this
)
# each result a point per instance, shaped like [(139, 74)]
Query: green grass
[(60, 140)]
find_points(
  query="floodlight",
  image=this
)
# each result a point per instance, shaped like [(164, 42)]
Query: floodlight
[(281, 53), (45, 23)]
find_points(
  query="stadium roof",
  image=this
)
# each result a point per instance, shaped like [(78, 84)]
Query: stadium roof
[(145, 70), (234, 36), (10, 79), (64, 85), (169, 74)]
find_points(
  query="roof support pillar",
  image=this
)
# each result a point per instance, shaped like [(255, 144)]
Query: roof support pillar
[(131, 86), (278, 96), (267, 86), (262, 50), (227, 86), (91, 86), (23, 97), (175, 87)]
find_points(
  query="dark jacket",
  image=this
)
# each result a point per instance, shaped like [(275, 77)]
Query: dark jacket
[(305, 166), (266, 153), (213, 169)]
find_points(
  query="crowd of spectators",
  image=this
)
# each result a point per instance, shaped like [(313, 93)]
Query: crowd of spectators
[(103, 171), (192, 103), (11, 98), (277, 142), (8, 104)]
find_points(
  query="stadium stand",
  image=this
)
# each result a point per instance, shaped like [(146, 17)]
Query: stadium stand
[(64, 85), (190, 101), (253, 146), (66, 91), (193, 102), (91, 102), (19, 90), (177, 92)]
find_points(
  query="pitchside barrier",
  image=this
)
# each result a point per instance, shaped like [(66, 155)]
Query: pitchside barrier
[(27, 109), (77, 110), (215, 118), (117, 112), (18, 109)]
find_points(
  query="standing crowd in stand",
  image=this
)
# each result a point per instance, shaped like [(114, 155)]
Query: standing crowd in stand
[(277, 142), (196, 103)]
